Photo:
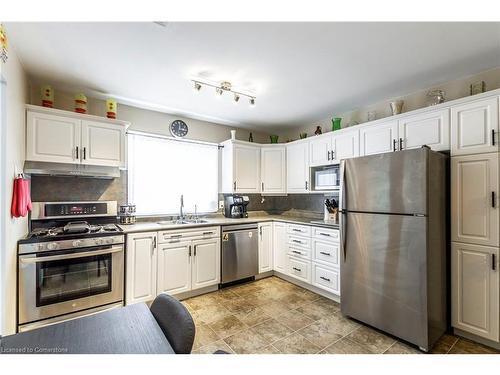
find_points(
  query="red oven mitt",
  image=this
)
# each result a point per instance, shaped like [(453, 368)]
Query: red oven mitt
[(21, 198)]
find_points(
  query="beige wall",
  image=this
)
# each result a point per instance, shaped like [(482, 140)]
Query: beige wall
[(13, 157), (152, 121), (453, 90)]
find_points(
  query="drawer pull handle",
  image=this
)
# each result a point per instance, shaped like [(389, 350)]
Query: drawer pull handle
[(327, 254), (325, 234), (296, 252), (207, 233), (324, 278), (297, 269), (297, 230), (174, 235), (297, 241)]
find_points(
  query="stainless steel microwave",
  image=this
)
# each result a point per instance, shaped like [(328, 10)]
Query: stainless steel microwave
[(326, 178)]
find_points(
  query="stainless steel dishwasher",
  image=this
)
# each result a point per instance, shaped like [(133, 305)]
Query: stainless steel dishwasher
[(240, 252)]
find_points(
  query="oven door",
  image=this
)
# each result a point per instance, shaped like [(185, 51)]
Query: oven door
[(61, 282)]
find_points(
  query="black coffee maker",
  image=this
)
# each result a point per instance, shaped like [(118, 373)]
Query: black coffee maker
[(235, 206)]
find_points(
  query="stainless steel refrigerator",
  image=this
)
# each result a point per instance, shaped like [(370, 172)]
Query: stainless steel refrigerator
[(393, 240)]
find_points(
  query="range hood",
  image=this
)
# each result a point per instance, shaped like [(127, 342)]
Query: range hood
[(75, 170)]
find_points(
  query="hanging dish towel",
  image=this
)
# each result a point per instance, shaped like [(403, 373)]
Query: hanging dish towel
[(21, 198)]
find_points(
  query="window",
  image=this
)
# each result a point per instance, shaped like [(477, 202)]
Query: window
[(161, 169)]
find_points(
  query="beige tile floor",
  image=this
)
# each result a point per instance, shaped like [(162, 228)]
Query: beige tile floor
[(274, 316)]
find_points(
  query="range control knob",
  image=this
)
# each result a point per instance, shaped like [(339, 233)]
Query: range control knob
[(77, 243), (110, 240), (98, 241), (41, 246), (52, 246)]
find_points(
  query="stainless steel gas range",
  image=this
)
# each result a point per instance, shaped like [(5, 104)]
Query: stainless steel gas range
[(71, 263)]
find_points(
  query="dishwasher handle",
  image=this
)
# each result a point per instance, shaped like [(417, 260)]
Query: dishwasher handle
[(239, 227)]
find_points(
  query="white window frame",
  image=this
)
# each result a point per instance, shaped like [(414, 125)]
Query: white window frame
[(159, 136)]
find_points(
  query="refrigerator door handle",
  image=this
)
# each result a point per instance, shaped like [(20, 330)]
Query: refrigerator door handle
[(343, 214)]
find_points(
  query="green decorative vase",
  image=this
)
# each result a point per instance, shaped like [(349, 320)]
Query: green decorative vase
[(274, 138), (336, 123)]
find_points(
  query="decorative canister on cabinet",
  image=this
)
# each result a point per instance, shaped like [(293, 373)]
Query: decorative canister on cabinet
[(111, 107), (80, 103), (47, 96)]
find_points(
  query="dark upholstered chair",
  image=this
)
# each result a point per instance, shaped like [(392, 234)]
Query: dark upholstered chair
[(175, 321)]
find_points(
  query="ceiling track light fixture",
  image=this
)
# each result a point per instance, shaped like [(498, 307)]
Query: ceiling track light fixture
[(223, 87)]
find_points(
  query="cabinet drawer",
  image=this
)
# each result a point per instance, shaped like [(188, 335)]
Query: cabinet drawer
[(300, 269), (301, 230), (299, 252), (326, 278), (326, 252), (326, 234), (297, 241), (169, 236)]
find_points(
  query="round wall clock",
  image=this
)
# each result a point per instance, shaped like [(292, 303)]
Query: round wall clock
[(178, 129)]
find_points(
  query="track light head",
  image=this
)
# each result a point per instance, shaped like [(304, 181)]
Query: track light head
[(236, 98), (219, 91), (197, 87), (252, 102)]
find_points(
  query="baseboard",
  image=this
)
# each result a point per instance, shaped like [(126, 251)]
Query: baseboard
[(196, 292), (307, 286), (478, 339)]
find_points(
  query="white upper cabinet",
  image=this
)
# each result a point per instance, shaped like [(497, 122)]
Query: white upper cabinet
[(474, 199), (297, 165), (320, 150), (59, 136), (379, 138), (475, 289), (240, 167), (474, 127), (52, 138), (332, 147), (273, 169), (428, 128), (103, 144), (345, 145)]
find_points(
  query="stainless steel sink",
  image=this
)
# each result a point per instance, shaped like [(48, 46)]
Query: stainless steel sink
[(177, 222)]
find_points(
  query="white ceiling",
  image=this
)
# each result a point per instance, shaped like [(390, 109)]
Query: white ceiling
[(300, 72)]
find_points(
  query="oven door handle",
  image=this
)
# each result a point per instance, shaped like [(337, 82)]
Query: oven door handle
[(35, 259)]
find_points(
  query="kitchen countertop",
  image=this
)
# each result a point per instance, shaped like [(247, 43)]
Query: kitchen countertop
[(152, 226)]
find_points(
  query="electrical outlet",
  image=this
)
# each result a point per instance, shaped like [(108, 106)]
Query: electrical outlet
[(221, 205)]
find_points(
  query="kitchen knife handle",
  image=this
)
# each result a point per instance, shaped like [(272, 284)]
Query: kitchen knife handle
[(493, 199), (493, 262), (394, 145), (400, 144), (493, 137)]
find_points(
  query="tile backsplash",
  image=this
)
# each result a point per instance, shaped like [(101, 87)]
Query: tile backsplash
[(56, 188)]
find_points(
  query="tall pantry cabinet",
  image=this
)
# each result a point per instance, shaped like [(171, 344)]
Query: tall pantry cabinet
[(475, 223)]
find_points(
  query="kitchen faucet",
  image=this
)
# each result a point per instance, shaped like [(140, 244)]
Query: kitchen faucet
[(181, 214)]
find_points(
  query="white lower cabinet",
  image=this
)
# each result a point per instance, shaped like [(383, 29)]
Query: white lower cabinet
[(475, 290), (182, 261), (300, 269), (326, 278), (265, 247), (280, 257), (174, 268), (141, 267), (206, 263)]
